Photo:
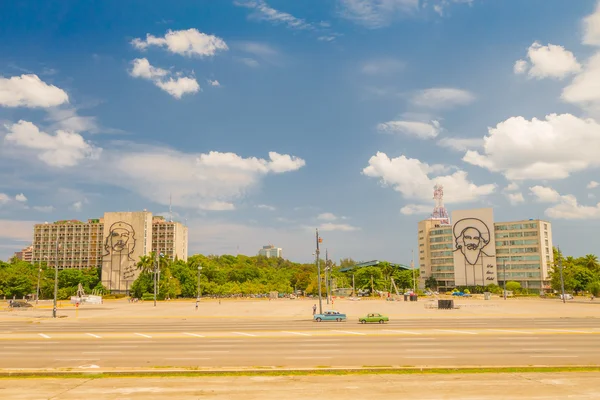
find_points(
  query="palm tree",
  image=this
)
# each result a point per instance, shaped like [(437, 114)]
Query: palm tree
[(146, 264), (591, 262)]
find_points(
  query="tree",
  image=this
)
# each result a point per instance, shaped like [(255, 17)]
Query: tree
[(513, 286), (431, 283), (594, 288), (146, 264)]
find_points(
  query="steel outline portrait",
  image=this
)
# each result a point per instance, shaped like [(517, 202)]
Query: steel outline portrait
[(471, 237), (121, 236)]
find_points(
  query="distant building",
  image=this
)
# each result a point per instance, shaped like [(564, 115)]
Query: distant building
[(24, 255), (270, 251), (114, 243)]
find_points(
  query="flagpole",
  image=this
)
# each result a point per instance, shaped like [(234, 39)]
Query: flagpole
[(319, 275)]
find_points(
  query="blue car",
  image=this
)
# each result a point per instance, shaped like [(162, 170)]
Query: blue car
[(330, 316)]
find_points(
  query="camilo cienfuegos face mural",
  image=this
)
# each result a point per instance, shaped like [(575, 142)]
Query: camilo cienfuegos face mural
[(472, 238)]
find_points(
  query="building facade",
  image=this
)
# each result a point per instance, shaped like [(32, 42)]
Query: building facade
[(474, 250), (113, 243), (24, 255), (270, 251)]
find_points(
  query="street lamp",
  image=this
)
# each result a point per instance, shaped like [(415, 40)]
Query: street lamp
[(504, 273), (199, 272), (58, 246), (319, 273)]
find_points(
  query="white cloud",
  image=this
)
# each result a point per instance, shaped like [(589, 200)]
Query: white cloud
[(329, 226), (411, 177), (266, 207), (179, 86), (250, 62), (569, 208), (21, 198), (143, 69), (63, 149), (175, 87), (213, 82), (4, 198), (77, 206), (551, 61), (327, 217), (521, 66), (190, 42), (441, 6), (417, 129), (592, 185), (511, 187), (591, 28), (259, 49), (585, 88), (515, 198), (30, 91), (266, 13), (382, 66), (375, 13), (216, 206), (545, 194), (539, 149), (460, 144), (45, 209), (412, 209), (442, 98)]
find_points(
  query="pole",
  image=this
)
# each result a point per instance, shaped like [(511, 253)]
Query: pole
[(372, 287), (55, 280), (319, 274), (155, 274), (412, 266), (504, 273), (562, 280), (37, 291), (199, 269), (353, 290), (326, 275)]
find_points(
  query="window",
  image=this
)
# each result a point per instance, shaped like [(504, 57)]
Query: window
[(440, 239), (545, 234), (440, 246), (545, 227)]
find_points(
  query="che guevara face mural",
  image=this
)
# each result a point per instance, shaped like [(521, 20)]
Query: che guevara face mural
[(120, 239)]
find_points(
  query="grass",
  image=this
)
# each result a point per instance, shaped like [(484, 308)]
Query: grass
[(322, 370)]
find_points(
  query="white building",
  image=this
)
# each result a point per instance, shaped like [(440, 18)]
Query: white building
[(270, 251)]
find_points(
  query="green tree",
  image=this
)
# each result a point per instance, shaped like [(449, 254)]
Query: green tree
[(513, 286), (594, 288), (431, 283)]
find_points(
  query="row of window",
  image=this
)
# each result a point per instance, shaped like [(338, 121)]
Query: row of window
[(442, 253), (438, 261), (517, 258), (441, 246), (518, 250), (440, 239), (514, 227), (515, 234), (516, 242), (437, 232)]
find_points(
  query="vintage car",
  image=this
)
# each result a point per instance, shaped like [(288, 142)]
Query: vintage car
[(373, 318), (330, 315)]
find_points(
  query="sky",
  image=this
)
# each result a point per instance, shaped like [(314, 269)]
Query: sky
[(261, 121)]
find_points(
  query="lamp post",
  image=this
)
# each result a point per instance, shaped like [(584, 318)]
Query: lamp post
[(37, 291), (58, 246), (412, 266), (155, 274), (199, 272), (504, 278), (319, 274), (326, 275), (562, 280)]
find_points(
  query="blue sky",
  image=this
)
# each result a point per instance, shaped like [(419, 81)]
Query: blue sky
[(264, 120)]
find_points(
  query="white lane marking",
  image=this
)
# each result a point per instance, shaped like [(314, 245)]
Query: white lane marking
[(437, 350), (210, 351), (308, 358), (92, 335), (509, 331), (318, 344), (243, 333), (20, 347), (397, 331), (38, 342), (563, 330), (110, 346), (530, 343), (192, 334), (297, 333), (452, 331), (76, 359), (554, 356), (188, 358), (548, 349), (44, 335), (101, 352), (350, 332), (412, 339), (312, 350), (421, 357), (142, 335)]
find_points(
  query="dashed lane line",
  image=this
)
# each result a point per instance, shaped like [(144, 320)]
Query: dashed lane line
[(94, 336), (563, 330), (350, 332), (404, 332), (193, 334), (244, 334), (551, 356), (143, 335), (428, 357), (453, 331), (44, 335), (297, 333), (509, 331)]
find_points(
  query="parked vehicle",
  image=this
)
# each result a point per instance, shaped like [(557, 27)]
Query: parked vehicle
[(373, 318), (330, 316)]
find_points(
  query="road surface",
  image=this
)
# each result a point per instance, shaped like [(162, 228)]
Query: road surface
[(249, 343)]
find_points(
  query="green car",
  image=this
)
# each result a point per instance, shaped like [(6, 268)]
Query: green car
[(373, 318)]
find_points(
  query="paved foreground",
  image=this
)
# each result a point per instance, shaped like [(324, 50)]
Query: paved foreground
[(580, 386), (242, 343)]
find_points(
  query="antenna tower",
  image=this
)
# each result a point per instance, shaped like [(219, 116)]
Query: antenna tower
[(439, 211)]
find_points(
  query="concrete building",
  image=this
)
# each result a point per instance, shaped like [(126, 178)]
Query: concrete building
[(24, 255), (476, 251), (114, 243), (270, 251)]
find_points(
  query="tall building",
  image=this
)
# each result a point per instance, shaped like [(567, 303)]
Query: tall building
[(270, 251), (24, 255), (476, 251), (114, 243)]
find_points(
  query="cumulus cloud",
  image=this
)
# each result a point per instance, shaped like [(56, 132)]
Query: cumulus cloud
[(63, 149), (551, 61), (266, 207), (265, 12), (382, 66), (213, 82), (569, 208), (21, 198), (585, 88), (591, 28), (592, 185), (4, 198), (176, 87), (329, 226), (190, 42), (545, 194), (552, 148), (44, 209), (416, 129), (327, 217), (442, 98), (77, 206), (412, 209), (511, 187), (460, 144), (216, 206), (415, 179), (515, 198), (375, 13), (30, 91)]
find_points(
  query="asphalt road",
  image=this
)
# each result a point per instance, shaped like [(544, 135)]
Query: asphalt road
[(246, 343)]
